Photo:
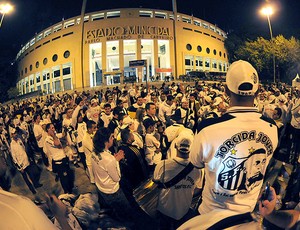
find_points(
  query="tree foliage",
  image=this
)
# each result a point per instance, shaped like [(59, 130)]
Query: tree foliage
[(260, 53)]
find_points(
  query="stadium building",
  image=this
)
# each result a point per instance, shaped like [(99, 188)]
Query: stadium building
[(117, 46)]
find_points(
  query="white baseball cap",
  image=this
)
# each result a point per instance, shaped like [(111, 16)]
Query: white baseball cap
[(242, 78), (183, 142)]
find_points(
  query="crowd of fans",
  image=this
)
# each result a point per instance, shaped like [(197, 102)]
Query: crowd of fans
[(121, 136)]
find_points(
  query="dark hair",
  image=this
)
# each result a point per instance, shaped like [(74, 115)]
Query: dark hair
[(170, 98), (119, 102), (125, 133), (101, 137), (48, 126), (193, 95), (36, 116), (107, 105), (116, 111), (66, 109), (148, 122), (89, 124), (84, 108), (78, 100), (147, 107), (121, 116), (143, 94)]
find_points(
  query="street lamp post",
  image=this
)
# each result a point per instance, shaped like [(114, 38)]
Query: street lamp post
[(268, 11), (4, 9)]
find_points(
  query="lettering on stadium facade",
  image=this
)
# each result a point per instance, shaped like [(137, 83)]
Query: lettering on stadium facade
[(128, 32)]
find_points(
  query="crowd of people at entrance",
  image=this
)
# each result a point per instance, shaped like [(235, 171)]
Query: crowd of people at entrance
[(209, 139)]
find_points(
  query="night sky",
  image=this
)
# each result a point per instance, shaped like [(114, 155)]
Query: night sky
[(32, 16)]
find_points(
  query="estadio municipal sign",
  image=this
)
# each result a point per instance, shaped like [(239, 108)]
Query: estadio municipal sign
[(127, 32)]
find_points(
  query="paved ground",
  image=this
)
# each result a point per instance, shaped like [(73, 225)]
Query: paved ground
[(82, 184)]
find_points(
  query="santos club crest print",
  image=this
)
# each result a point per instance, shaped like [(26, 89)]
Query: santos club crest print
[(236, 173)]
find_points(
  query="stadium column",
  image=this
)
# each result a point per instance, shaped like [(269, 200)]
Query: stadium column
[(121, 60), (51, 81), (34, 81), (155, 64), (139, 57), (104, 82), (61, 78)]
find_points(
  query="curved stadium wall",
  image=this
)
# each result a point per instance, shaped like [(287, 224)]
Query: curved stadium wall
[(117, 46)]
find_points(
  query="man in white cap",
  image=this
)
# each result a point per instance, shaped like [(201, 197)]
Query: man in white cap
[(175, 197), (236, 148)]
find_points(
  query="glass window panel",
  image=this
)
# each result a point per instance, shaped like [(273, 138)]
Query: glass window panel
[(199, 63), (112, 56), (67, 70), (67, 84), (147, 51), (57, 86), (38, 78), (164, 57), (163, 54), (207, 63), (130, 47), (95, 64)]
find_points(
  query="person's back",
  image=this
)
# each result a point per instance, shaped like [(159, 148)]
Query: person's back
[(235, 149), (175, 201), (175, 197), (18, 212), (235, 160)]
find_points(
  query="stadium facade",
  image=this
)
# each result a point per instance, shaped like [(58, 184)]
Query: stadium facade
[(117, 46)]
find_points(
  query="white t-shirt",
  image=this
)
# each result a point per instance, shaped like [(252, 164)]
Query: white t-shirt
[(81, 130), (53, 151), (19, 154), (165, 109), (216, 217), (106, 119), (175, 201), (107, 172), (38, 130), (18, 212), (87, 144), (67, 122), (235, 150), (152, 144)]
